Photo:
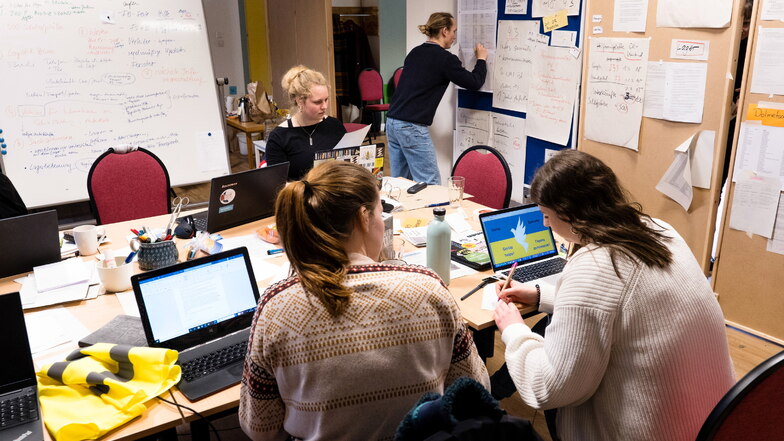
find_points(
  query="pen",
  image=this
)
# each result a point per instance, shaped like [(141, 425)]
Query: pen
[(440, 204), (477, 288), (130, 257), (509, 277), (275, 251)]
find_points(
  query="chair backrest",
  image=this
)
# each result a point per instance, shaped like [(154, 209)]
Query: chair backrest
[(487, 176), (353, 127), (752, 408), (371, 86), (396, 76), (125, 186)]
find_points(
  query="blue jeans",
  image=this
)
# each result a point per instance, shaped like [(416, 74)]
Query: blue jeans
[(411, 152)]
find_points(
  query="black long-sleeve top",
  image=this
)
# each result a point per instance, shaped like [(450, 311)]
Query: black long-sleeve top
[(292, 144), (427, 72)]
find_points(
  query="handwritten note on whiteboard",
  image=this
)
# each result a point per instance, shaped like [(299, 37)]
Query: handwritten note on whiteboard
[(615, 90), (517, 41), (551, 95)]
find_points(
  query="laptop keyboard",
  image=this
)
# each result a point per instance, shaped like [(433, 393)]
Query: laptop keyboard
[(18, 408), (213, 361), (538, 270), (201, 223)]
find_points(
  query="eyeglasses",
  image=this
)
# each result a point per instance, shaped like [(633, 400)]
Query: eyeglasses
[(392, 192)]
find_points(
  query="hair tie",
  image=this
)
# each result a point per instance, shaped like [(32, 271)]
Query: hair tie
[(308, 188)]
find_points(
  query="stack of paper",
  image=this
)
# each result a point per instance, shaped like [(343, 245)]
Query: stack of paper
[(64, 281)]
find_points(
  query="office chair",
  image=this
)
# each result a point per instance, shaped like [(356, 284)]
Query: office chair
[(487, 176), (392, 86), (752, 408), (128, 185), (371, 88)]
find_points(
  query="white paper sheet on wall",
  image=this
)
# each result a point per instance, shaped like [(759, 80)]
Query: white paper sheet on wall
[(517, 43), (768, 75), (754, 203), (472, 127), (772, 10), (509, 138), (553, 87), (476, 27), (760, 149), (693, 13), (615, 90), (690, 49), (211, 150), (675, 91), (630, 15), (543, 8), (468, 57), (516, 7)]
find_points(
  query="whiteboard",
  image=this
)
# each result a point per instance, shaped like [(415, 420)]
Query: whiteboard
[(79, 77)]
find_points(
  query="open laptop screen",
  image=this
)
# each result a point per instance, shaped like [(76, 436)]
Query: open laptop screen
[(193, 302), (14, 346), (517, 234)]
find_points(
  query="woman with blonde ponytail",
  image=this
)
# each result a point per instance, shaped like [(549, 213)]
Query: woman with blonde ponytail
[(309, 129), (345, 335)]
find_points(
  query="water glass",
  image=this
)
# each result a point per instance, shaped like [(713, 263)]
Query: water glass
[(456, 188)]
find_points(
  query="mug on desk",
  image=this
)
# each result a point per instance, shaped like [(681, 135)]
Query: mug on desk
[(157, 254)]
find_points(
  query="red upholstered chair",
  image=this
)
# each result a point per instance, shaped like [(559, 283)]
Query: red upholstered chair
[(125, 186), (371, 91), (487, 176), (396, 76), (752, 409)]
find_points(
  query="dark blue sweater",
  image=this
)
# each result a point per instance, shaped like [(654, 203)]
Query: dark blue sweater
[(427, 72)]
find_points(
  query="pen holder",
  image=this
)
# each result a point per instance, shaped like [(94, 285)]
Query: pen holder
[(157, 254)]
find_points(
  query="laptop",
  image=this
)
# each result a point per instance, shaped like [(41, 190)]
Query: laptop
[(243, 197), (518, 234), (202, 308), (20, 415), (34, 239)]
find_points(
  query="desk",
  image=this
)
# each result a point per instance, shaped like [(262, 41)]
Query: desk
[(160, 416), (248, 128)]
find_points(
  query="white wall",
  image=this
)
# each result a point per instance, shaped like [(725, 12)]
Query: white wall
[(223, 28), (444, 122)]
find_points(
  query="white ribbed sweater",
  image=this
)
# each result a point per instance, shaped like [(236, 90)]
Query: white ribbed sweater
[(641, 357)]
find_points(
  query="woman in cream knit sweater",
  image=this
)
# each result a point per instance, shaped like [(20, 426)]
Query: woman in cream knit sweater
[(636, 349)]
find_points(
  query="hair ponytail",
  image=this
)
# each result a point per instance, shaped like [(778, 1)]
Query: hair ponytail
[(436, 22), (315, 217)]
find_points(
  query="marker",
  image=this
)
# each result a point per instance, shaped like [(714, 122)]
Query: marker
[(275, 251), (440, 204), (130, 257), (134, 231)]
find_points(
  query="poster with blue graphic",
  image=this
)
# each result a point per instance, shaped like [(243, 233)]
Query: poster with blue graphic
[(518, 236)]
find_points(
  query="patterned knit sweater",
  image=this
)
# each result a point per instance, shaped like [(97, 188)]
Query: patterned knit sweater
[(640, 357), (353, 377)]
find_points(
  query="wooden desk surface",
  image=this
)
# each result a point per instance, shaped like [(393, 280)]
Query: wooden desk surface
[(160, 416)]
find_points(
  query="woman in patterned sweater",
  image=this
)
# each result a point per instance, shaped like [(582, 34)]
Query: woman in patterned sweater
[(636, 349), (345, 346)]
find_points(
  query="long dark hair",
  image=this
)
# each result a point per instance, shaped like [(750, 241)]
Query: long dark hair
[(315, 217), (585, 192)]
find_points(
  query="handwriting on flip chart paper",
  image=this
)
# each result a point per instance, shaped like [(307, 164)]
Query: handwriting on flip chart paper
[(517, 44), (615, 90)]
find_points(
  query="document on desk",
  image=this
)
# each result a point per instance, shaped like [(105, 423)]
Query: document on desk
[(353, 139), (257, 249), (419, 257), (32, 298), (51, 328), (59, 274)]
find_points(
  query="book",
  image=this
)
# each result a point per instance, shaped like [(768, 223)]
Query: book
[(471, 251)]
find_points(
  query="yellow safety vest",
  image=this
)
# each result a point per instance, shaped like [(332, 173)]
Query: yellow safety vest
[(101, 387)]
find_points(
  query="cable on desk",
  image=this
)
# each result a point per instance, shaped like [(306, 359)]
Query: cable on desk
[(193, 411), (182, 415)]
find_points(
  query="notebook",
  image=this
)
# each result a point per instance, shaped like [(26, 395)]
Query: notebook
[(369, 156), (202, 308), (34, 240), (518, 234), (242, 197), (19, 411)]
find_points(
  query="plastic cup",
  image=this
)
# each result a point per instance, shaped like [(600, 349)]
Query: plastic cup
[(456, 188)]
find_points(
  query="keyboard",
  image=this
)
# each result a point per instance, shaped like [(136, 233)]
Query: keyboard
[(213, 361), (538, 270), (201, 223), (18, 408)]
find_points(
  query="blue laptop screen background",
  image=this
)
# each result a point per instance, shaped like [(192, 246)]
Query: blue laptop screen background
[(517, 236), (185, 301)]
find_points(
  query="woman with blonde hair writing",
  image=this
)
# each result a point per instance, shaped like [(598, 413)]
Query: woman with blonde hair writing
[(427, 71), (309, 129), (344, 335)]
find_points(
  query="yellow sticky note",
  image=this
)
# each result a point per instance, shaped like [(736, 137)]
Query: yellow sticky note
[(769, 117), (413, 222), (555, 21)]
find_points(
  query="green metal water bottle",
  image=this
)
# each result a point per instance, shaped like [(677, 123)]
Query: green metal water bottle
[(439, 244)]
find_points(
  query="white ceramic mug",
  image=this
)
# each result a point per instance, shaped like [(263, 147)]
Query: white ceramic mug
[(86, 238)]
